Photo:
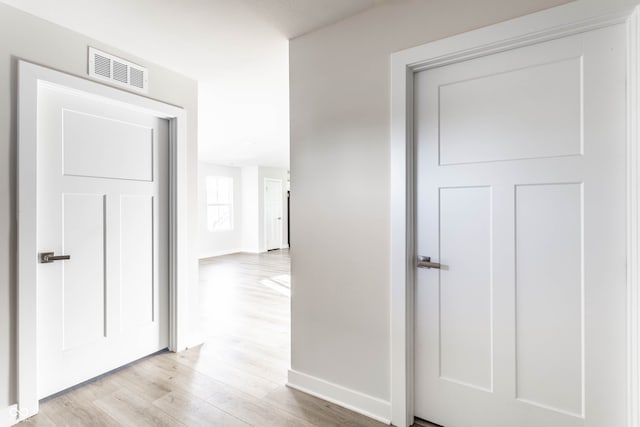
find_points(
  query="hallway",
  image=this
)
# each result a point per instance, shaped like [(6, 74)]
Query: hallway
[(237, 378)]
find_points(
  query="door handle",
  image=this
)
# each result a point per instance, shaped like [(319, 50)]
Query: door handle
[(425, 262), (47, 257)]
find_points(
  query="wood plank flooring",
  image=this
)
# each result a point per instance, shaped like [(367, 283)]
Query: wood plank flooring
[(237, 378)]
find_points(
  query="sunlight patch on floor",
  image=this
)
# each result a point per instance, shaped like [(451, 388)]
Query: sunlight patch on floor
[(280, 284)]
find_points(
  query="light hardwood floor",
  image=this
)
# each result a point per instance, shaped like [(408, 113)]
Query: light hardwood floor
[(237, 378)]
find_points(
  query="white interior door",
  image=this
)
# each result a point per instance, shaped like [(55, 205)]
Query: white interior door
[(103, 201), (521, 199), (273, 213)]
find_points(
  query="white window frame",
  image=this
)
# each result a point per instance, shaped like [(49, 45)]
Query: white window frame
[(230, 204)]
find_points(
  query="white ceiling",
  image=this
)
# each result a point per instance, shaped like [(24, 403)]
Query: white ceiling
[(236, 49)]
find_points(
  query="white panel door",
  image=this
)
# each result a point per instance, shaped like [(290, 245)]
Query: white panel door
[(521, 199), (103, 201), (273, 213)]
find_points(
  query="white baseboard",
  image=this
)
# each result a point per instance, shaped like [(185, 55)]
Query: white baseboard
[(9, 416), (218, 253), (204, 255), (250, 251), (361, 403)]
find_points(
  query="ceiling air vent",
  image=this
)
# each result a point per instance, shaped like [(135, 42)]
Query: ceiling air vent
[(118, 71)]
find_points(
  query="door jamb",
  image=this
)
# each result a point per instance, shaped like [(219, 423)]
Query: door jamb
[(565, 20), (31, 76)]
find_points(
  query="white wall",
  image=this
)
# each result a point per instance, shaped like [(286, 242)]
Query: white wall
[(340, 110), (26, 37), (231, 98), (215, 243), (251, 210)]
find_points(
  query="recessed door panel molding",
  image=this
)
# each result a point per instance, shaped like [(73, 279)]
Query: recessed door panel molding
[(136, 260), (84, 279), (101, 147), (466, 287), (550, 296)]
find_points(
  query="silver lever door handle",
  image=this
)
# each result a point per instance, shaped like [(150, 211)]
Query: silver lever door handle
[(425, 262), (47, 257)]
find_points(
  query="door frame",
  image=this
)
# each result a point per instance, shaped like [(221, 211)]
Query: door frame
[(264, 208), (31, 77), (561, 21)]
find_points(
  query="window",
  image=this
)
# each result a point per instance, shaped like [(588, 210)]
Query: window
[(219, 203)]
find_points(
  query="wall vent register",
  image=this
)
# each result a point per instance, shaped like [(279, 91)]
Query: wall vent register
[(118, 71)]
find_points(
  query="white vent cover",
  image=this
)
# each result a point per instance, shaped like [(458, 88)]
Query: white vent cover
[(118, 71)]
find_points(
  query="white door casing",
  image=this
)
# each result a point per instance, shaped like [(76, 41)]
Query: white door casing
[(103, 201), (31, 79), (563, 21), (273, 213), (520, 194)]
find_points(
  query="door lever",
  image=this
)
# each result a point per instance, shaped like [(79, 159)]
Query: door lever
[(425, 262), (47, 257)]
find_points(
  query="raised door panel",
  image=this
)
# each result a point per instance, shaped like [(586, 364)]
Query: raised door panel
[(136, 260), (466, 287), (83, 276), (530, 112), (549, 296), (102, 147)]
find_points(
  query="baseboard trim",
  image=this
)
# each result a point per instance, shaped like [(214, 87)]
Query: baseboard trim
[(212, 254), (372, 407), (9, 416), (249, 251)]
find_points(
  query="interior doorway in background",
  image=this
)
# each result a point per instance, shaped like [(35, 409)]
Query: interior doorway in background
[(273, 213)]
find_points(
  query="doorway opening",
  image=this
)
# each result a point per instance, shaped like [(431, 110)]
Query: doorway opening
[(245, 285), (273, 214)]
